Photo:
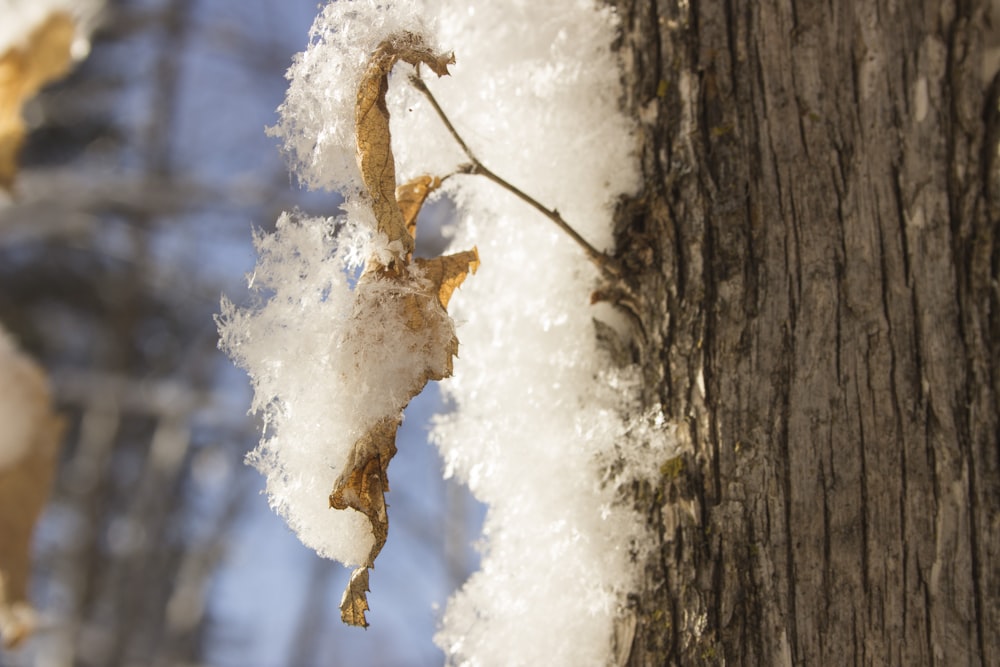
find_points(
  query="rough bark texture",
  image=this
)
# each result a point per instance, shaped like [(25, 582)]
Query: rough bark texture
[(816, 256)]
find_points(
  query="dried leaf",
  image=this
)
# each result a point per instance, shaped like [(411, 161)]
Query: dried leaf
[(364, 482), (448, 272), (17, 620), (354, 603), (421, 291), (25, 478), (411, 197), (362, 485), (44, 57), (378, 168)]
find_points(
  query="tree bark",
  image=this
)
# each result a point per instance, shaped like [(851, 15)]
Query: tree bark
[(815, 259)]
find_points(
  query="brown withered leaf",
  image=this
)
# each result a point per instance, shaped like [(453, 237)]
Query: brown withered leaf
[(425, 287), (411, 197), (24, 485), (364, 481), (354, 602), (44, 57), (448, 272), (17, 619), (378, 167)]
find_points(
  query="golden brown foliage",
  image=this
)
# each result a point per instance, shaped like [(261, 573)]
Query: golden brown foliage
[(371, 118), (44, 57), (425, 287), (24, 486)]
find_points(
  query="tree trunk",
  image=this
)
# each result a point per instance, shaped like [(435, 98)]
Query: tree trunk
[(815, 257)]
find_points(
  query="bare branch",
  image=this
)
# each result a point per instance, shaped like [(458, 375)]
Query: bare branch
[(607, 266)]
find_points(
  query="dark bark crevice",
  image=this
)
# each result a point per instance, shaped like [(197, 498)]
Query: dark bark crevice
[(816, 254)]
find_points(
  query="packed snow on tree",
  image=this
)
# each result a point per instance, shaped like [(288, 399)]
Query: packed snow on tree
[(545, 427)]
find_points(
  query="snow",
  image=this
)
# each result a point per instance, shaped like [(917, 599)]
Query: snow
[(24, 405), (542, 417), (317, 118), (291, 346)]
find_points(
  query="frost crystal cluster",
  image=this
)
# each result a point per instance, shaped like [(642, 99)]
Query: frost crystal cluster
[(541, 414), (313, 408)]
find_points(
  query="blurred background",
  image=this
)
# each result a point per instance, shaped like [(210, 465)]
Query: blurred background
[(143, 175)]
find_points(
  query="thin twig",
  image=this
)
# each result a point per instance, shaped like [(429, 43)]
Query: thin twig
[(608, 266)]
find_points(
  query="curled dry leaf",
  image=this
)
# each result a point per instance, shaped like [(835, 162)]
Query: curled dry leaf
[(371, 119), (355, 602), (27, 463), (407, 293), (365, 480), (411, 197), (24, 69)]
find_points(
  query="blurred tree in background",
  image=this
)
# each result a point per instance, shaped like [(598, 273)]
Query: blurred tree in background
[(140, 181)]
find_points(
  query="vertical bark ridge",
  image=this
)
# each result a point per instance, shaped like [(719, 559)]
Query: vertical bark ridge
[(819, 294)]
